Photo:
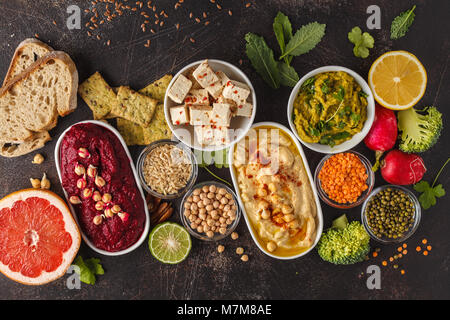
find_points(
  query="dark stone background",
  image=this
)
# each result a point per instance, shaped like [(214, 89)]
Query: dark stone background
[(206, 274)]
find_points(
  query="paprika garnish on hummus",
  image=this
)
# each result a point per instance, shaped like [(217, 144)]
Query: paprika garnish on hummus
[(99, 181), (276, 191)]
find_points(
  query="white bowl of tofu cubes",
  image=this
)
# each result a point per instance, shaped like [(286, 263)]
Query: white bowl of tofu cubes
[(210, 104)]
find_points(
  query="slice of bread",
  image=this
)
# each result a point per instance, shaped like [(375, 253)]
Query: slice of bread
[(37, 141), (27, 52), (32, 100)]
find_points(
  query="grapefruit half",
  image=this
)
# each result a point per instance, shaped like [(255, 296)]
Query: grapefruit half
[(38, 236)]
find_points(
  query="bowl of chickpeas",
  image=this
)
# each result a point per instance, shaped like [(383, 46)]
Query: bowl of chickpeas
[(210, 211)]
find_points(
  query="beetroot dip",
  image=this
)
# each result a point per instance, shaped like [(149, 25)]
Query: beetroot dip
[(88, 144)]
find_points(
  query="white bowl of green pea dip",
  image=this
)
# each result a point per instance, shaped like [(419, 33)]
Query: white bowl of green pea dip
[(331, 109)]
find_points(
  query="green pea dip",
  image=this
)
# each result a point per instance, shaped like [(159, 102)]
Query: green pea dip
[(330, 108)]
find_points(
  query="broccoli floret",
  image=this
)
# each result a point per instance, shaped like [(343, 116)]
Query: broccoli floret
[(420, 129), (344, 243)]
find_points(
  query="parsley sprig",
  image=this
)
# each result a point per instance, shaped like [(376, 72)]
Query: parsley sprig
[(429, 193)]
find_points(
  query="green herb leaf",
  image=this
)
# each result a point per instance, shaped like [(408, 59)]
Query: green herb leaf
[(283, 32), (308, 85), (288, 75), (401, 23), (261, 57), (89, 268), (363, 94), (340, 95), (305, 39), (325, 89), (429, 193), (362, 42)]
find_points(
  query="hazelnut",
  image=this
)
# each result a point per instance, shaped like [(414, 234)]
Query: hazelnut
[(97, 220), (45, 183), (35, 183), (38, 159)]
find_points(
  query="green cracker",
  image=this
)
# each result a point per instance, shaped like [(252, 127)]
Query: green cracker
[(157, 89), (158, 128), (132, 133), (98, 95), (134, 106)]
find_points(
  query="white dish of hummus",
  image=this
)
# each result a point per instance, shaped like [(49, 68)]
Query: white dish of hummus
[(276, 191)]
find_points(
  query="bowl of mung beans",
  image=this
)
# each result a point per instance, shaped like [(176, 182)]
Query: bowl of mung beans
[(391, 214)]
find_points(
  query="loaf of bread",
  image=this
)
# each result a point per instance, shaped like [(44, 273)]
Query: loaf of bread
[(31, 101)]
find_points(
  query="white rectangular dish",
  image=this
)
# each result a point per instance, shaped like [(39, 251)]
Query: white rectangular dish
[(319, 220), (136, 178)]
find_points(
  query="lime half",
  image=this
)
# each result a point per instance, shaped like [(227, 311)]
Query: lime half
[(169, 243)]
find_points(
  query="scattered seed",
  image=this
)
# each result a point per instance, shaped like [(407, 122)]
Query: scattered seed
[(425, 253), (405, 245), (206, 23), (197, 20), (108, 42), (405, 251), (192, 40), (248, 5), (395, 266), (204, 15), (177, 26), (89, 33), (230, 13), (402, 272), (418, 248), (384, 263), (152, 31), (36, 35), (375, 254), (429, 248), (191, 15), (424, 241), (54, 22), (161, 23), (219, 7)]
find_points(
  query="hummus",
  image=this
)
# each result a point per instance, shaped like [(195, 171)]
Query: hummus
[(330, 108), (276, 191), (98, 178)]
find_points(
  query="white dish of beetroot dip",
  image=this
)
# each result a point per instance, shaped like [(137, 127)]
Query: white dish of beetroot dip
[(101, 185)]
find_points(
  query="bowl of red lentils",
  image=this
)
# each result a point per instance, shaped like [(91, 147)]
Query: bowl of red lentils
[(344, 180)]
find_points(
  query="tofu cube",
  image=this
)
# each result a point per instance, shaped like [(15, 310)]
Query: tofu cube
[(233, 105), (179, 115), (244, 110), (204, 135), (236, 91), (215, 89), (190, 76), (197, 96), (212, 135), (180, 88), (199, 115), (221, 114), (223, 77), (205, 75)]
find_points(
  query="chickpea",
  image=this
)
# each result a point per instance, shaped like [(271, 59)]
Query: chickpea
[(217, 224), (286, 209), (227, 208), (294, 224), (35, 183), (239, 250), (229, 196), (210, 234), (222, 220), (194, 225), (200, 229), (202, 216), (207, 201), (209, 208), (210, 222), (205, 189), (213, 228), (216, 204), (265, 214), (220, 248), (224, 226), (262, 192), (194, 207), (224, 201), (38, 159), (198, 221), (229, 221), (212, 188), (214, 214), (271, 246), (288, 217), (202, 210), (211, 195), (192, 218), (196, 192), (206, 228), (187, 205), (222, 191), (222, 230), (200, 204), (195, 199), (219, 196), (187, 213), (244, 258), (190, 199), (45, 183), (221, 206), (272, 187), (234, 235), (263, 205)]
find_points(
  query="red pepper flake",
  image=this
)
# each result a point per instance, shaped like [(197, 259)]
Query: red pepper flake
[(229, 83), (177, 122), (235, 92), (241, 106)]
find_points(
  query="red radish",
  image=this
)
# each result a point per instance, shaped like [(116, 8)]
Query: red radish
[(382, 134), (402, 168)]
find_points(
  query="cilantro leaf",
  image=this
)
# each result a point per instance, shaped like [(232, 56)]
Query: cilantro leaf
[(283, 32), (429, 193), (88, 269), (362, 42), (288, 75), (401, 23), (261, 57), (305, 39)]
